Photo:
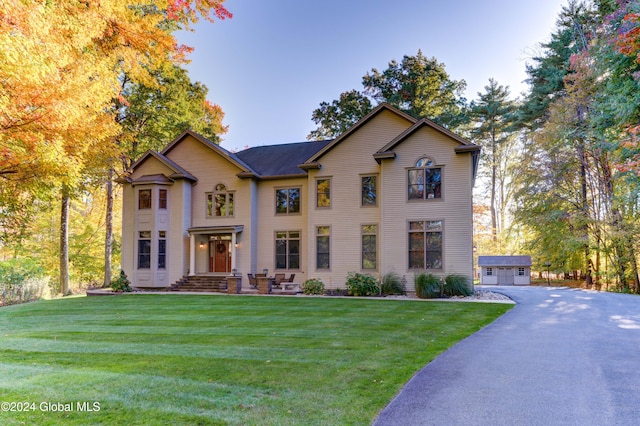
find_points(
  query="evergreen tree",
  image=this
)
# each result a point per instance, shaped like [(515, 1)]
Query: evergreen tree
[(417, 85), (493, 116)]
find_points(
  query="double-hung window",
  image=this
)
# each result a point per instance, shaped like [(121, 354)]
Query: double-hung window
[(144, 199), (323, 247), (369, 191), (323, 192), (425, 244), (144, 250), (287, 250), (162, 199), (162, 249), (369, 246), (424, 180)]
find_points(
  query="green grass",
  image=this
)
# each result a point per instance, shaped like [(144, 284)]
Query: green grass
[(171, 360)]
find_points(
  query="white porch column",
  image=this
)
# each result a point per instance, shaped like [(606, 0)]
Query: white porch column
[(233, 250), (192, 254)]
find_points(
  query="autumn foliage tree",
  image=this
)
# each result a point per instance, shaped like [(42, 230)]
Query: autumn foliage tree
[(63, 65), (46, 102), (577, 196), (627, 42)]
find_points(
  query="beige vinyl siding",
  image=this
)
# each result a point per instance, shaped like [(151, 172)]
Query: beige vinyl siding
[(128, 231), (151, 166), (345, 164), (454, 208), (177, 238), (174, 221), (269, 222), (211, 168)]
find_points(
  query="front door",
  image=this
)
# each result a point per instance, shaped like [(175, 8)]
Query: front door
[(219, 256)]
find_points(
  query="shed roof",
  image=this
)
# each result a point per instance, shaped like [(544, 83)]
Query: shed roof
[(504, 261)]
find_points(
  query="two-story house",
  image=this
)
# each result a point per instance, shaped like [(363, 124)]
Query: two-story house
[(392, 193)]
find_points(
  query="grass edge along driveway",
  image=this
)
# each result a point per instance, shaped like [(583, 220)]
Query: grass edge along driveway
[(164, 359)]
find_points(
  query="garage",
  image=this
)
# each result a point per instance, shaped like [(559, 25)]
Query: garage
[(505, 270)]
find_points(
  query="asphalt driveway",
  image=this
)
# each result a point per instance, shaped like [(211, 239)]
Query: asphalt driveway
[(561, 357)]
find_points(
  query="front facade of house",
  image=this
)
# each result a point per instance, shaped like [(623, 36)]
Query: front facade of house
[(505, 270), (391, 194)]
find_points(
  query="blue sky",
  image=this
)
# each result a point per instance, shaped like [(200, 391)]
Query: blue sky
[(272, 64)]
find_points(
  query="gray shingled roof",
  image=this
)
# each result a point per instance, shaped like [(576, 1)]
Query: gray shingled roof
[(504, 260), (280, 160)]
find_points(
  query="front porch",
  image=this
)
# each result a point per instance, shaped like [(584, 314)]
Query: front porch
[(213, 250)]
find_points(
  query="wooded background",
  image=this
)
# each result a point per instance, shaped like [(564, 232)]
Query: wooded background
[(87, 88)]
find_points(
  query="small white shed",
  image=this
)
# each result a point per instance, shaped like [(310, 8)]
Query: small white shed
[(505, 270)]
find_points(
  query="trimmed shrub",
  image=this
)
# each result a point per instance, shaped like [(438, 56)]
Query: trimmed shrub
[(428, 286), (392, 284), (457, 285), (121, 283), (362, 284), (313, 286)]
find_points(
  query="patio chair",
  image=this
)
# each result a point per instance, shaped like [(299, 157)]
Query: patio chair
[(277, 279), (290, 285), (253, 282)]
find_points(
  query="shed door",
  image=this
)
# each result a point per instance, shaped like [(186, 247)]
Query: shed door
[(505, 276)]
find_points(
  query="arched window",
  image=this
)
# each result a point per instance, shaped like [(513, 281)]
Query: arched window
[(425, 180), (424, 162), (220, 201)]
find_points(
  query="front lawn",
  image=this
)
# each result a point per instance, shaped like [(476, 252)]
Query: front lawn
[(242, 360)]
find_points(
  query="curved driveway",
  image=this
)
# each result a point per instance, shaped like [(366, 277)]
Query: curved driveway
[(560, 357)]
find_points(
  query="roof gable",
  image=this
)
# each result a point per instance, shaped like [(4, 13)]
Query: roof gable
[(362, 122), (463, 143), (504, 261), (246, 170), (177, 171)]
